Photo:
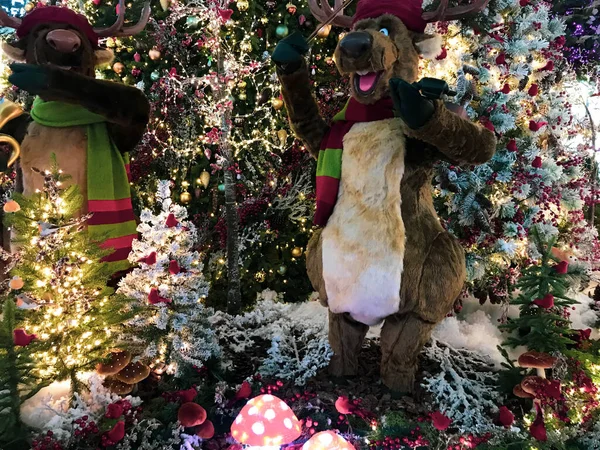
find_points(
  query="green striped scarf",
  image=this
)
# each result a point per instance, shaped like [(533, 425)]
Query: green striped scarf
[(329, 164), (109, 197)]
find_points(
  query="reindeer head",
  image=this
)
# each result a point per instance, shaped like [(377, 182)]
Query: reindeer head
[(386, 40), (52, 35)]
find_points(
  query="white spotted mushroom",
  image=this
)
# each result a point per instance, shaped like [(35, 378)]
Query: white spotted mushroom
[(327, 440), (266, 422)]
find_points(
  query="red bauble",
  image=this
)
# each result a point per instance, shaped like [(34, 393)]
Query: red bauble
[(505, 416), (537, 162)]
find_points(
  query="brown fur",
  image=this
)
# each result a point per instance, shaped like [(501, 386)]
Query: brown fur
[(434, 263)]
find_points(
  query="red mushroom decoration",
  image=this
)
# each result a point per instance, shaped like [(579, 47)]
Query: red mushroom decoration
[(191, 414), (327, 440), (266, 421)]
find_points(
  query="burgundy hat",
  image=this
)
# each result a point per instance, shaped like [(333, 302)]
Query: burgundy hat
[(57, 14), (408, 11)]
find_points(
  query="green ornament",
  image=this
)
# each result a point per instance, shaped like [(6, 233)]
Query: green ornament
[(282, 30), (221, 188), (282, 270), (192, 21), (155, 75)]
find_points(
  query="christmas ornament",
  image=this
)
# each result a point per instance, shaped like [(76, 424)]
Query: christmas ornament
[(206, 430), (192, 21), (154, 54), (154, 298), (282, 30), (171, 221), (221, 187), (150, 259), (533, 90), (164, 4), (118, 67), (174, 268), (546, 302), (29, 6), (505, 416), (344, 406), (204, 179), (562, 267), (297, 252), (242, 5), (155, 76), (185, 197), (277, 103), (11, 206), (537, 162), (282, 135), (117, 433), (260, 276), (21, 338), (110, 42), (137, 57), (16, 283), (242, 84), (282, 270), (512, 146), (324, 31), (242, 96), (291, 8), (244, 392)]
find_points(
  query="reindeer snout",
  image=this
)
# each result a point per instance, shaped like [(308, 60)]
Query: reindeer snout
[(356, 44), (64, 41)]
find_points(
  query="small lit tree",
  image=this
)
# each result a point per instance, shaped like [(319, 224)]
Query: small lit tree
[(173, 327), (61, 282)]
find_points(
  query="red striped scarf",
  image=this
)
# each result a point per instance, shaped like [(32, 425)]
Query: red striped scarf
[(329, 165)]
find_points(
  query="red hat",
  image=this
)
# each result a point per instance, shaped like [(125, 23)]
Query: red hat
[(57, 14), (408, 11)]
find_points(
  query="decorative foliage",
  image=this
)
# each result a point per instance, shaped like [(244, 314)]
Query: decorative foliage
[(173, 328)]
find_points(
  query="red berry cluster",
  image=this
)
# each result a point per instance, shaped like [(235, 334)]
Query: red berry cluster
[(415, 440), (83, 428), (46, 443)]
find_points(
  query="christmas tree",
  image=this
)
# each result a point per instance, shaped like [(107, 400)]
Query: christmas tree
[(61, 283), (171, 330)]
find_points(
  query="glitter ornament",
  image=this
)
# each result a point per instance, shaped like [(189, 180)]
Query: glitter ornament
[(118, 67), (185, 198), (154, 54), (282, 30), (297, 252), (242, 5)]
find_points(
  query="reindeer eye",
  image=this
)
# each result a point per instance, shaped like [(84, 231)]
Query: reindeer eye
[(384, 31)]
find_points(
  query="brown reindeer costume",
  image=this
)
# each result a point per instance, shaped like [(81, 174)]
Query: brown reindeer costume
[(88, 124), (382, 253)]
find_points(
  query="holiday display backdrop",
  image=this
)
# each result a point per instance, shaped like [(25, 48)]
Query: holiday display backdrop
[(219, 139)]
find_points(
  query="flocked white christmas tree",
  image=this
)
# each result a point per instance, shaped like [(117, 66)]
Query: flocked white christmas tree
[(173, 330)]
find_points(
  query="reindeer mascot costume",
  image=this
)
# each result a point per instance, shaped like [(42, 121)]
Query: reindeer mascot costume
[(381, 254), (89, 124)]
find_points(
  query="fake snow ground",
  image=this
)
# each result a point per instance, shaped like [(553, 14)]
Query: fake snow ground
[(475, 329)]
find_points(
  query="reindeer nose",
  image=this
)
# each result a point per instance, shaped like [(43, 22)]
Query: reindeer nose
[(356, 44), (64, 41)]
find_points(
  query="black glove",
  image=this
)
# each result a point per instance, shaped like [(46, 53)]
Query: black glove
[(289, 53), (414, 109)]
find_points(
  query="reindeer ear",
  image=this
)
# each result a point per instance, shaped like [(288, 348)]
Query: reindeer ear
[(103, 56), (428, 45), (13, 52)]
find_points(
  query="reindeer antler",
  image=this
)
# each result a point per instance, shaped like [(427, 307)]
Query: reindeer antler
[(443, 13), (9, 21), (324, 11), (117, 30)]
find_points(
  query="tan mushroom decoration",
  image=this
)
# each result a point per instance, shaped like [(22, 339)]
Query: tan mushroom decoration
[(121, 374), (537, 360)]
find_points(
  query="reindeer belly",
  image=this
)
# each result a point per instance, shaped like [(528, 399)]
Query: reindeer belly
[(363, 242), (68, 144)]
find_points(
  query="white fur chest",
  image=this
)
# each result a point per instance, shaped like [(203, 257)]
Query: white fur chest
[(363, 242)]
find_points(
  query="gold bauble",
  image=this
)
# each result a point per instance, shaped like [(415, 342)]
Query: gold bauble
[(297, 252), (260, 276), (324, 31), (164, 4), (16, 283), (29, 7), (282, 135), (11, 206), (154, 54), (118, 67), (242, 84), (242, 95), (277, 103), (185, 197), (242, 5), (205, 179)]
